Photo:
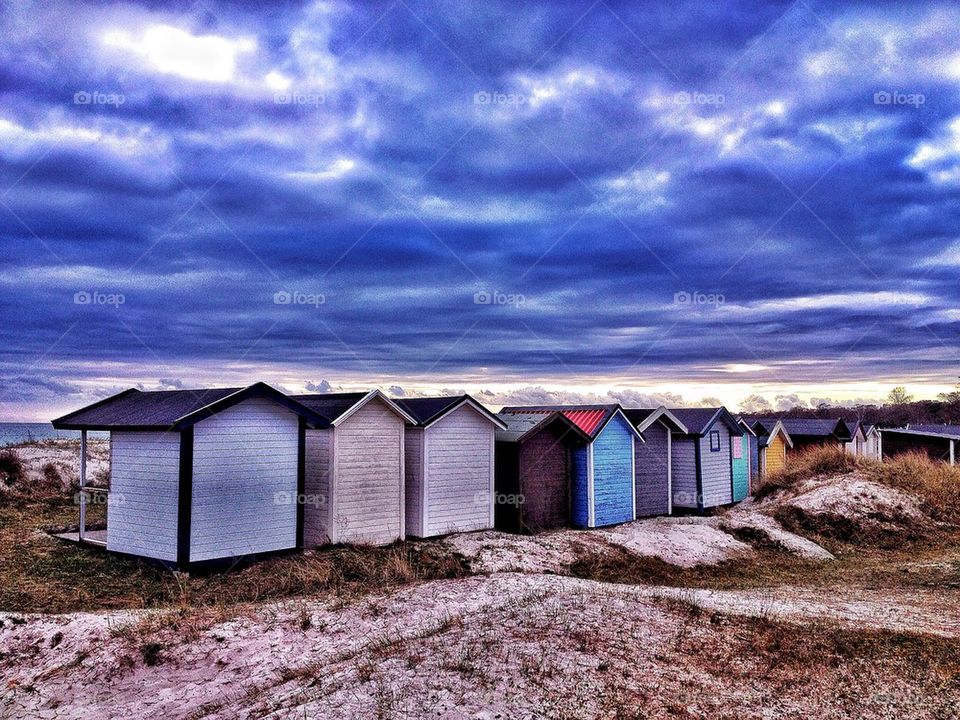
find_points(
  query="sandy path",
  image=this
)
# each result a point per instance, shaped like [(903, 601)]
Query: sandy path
[(427, 648)]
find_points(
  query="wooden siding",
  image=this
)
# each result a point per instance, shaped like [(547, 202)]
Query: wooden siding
[(244, 481), (652, 471), (144, 477), (458, 466), (740, 467), (715, 474), (580, 486), (368, 478), (544, 479), (413, 443), (613, 478), (316, 516), (776, 455), (683, 458)]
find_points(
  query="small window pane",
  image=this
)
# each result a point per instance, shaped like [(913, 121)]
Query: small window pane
[(714, 441)]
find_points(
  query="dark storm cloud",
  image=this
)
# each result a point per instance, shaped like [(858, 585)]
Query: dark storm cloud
[(407, 161)]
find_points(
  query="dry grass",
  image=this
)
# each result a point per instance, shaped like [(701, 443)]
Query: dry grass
[(935, 483), (39, 573), (809, 464)]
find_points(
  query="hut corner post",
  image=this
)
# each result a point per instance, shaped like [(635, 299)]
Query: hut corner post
[(83, 484)]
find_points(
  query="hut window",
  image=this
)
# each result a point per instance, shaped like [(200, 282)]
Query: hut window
[(714, 441)]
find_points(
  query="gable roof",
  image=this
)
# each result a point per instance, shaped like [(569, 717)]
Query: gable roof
[(590, 419), (699, 420), (337, 407), (766, 437), (807, 427), (643, 418), (428, 410), (520, 425), (135, 409)]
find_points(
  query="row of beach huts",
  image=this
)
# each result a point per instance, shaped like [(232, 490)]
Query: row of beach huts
[(199, 476)]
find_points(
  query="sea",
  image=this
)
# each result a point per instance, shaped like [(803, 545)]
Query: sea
[(16, 433)]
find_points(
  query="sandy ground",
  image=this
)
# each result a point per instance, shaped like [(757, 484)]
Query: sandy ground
[(64, 455), (514, 644), (518, 640)]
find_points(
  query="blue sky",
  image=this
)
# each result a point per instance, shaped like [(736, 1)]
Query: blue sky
[(644, 201)]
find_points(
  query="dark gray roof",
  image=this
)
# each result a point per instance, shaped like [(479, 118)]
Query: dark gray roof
[(698, 420), (166, 409), (427, 409), (806, 427), (934, 428), (638, 415), (330, 405)]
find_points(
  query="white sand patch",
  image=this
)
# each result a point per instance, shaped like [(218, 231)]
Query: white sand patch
[(862, 501), (917, 611), (64, 455), (771, 530), (491, 551), (683, 541)]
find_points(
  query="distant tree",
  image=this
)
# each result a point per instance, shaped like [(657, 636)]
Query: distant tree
[(899, 396), (951, 397)]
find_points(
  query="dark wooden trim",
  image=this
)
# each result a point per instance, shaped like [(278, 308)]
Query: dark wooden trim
[(699, 466), (301, 477), (733, 482), (185, 498)]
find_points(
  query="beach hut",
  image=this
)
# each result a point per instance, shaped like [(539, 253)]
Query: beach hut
[(602, 483), (773, 441), (653, 466), (449, 456), (533, 467), (354, 485), (740, 462), (858, 439), (871, 442), (938, 442), (199, 475), (702, 458)]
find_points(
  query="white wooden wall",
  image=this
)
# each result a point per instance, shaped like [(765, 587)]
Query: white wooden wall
[(244, 481), (368, 479), (316, 513), (413, 471), (459, 465), (144, 482)]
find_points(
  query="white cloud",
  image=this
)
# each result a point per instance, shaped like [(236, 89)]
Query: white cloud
[(172, 51), (333, 171)]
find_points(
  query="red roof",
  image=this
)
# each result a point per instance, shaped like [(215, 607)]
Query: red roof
[(586, 420)]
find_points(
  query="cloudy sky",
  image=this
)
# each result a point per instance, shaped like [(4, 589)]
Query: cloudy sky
[(662, 201)]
